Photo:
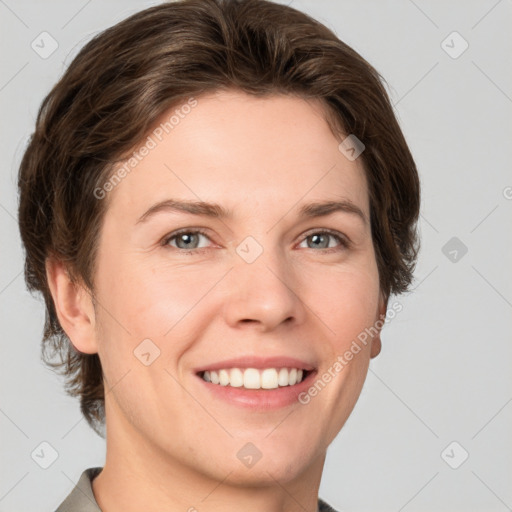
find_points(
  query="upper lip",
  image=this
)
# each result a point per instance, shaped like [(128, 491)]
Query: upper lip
[(257, 362)]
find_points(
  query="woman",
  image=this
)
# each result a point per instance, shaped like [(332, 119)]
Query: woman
[(216, 204)]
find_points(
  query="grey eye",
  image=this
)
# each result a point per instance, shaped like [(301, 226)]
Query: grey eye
[(320, 240), (185, 239)]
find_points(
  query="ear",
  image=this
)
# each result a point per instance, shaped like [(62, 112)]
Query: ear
[(381, 315), (74, 307)]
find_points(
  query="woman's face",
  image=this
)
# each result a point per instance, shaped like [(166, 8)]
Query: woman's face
[(266, 281)]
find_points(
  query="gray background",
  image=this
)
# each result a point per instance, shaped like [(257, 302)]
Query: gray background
[(444, 373)]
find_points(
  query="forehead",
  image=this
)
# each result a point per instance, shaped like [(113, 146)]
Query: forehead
[(242, 151)]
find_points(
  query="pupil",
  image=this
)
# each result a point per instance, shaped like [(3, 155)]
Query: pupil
[(186, 238), (317, 237)]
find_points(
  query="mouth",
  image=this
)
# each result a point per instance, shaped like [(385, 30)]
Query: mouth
[(257, 389), (257, 383), (256, 378)]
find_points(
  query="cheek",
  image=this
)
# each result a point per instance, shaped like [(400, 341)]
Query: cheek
[(346, 300), (143, 303), (147, 301)]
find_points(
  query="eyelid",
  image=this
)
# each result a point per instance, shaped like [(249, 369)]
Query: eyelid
[(344, 239), (167, 238)]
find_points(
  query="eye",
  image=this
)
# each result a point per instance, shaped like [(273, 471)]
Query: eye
[(320, 239), (186, 239)]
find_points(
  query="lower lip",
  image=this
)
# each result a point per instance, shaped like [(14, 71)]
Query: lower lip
[(260, 399)]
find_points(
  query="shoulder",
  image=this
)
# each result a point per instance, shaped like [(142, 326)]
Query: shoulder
[(81, 498), (323, 506)]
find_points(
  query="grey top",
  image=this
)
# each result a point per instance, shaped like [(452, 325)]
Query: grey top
[(81, 498)]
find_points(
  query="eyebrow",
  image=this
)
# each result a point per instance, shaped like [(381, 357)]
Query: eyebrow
[(214, 210)]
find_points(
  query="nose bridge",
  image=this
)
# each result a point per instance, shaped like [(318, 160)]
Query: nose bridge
[(260, 261), (261, 286)]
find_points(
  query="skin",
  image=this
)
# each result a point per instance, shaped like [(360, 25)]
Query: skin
[(170, 446)]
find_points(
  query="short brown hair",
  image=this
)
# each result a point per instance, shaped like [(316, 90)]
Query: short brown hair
[(128, 75)]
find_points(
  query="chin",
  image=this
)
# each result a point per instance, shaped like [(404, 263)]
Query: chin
[(264, 462), (265, 472)]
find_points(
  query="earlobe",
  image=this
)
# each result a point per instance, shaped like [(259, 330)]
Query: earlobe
[(74, 307), (376, 346), (376, 341)]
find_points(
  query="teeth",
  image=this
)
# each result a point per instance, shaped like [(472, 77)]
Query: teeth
[(223, 378), (236, 378), (252, 378)]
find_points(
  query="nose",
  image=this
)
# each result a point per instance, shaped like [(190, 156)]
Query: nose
[(263, 294)]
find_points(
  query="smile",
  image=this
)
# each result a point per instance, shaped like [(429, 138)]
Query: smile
[(253, 378)]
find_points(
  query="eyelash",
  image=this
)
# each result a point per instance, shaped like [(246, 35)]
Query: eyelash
[(344, 242)]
